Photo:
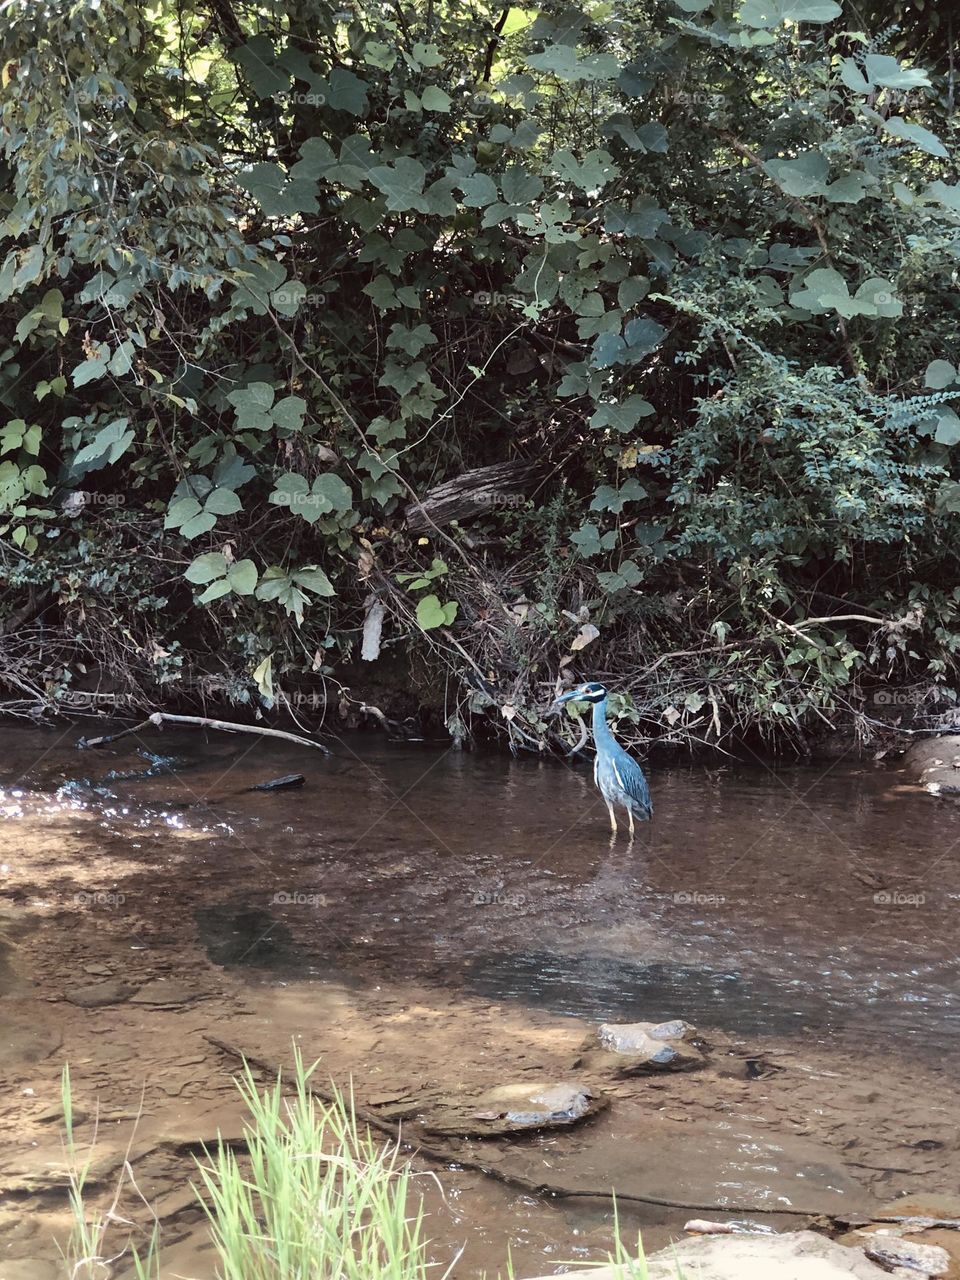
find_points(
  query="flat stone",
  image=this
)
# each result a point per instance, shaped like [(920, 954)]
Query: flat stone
[(25, 1040), (797, 1255), (98, 994), (512, 1108), (633, 1037), (164, 994)]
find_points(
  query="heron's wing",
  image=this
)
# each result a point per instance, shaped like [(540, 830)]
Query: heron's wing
[(632, 781)]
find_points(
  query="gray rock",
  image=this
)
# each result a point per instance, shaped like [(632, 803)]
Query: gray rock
[(642, 1048), (98, 994), (798, 1255), (891, 1250), (512, 1108), (936, 763)]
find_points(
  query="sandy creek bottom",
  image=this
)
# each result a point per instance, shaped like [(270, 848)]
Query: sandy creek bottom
[(429, 924)]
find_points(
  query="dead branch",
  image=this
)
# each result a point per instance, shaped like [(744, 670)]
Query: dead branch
[(159, 718)]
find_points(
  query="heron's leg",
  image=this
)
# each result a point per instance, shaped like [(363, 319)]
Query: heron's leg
[(630, 816), (613, 818)]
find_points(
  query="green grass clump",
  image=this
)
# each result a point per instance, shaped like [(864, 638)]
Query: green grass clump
[(319, 1198)]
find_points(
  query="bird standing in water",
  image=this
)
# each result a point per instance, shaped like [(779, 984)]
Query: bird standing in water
[(617, 775)]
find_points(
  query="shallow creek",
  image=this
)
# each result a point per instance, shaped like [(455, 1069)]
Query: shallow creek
[(430, 923)]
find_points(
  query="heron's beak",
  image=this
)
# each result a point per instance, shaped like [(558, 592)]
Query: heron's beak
[(569, 696)]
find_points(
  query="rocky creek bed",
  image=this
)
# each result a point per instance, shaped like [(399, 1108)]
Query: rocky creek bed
[(149, 934)]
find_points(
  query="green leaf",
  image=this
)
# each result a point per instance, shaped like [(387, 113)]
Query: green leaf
[(223, 502), (479, 190), (412, 341), (202, 523), (312, 578), (805, 176), (253, 404), (334, 491), (107, 447), (881, 69), (948, 427), (849, 188), (432, 614), (877, 297), (897, 127), (206, 567), (607, 498), (623, 416), (242, 577), (591, 174), (519, 186), (434, 99), (427, 55), (216, 589), (288, 414), (347, 92), (564, 62), (402, 184), (812, 10), (631, 291), (258, 59), (939, 374), (180, 511)]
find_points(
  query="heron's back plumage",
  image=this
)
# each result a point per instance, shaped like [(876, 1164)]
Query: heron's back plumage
[(617, 775)]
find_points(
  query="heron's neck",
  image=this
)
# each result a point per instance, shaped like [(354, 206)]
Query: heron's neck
[(601, 730)]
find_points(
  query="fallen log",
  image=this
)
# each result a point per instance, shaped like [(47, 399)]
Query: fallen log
[(470, 494)]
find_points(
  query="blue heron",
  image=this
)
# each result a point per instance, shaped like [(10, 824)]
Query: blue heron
[(618, 776)]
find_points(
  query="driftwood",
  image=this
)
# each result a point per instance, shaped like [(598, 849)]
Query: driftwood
[(455, 1156), (160, 718), (470, 494)]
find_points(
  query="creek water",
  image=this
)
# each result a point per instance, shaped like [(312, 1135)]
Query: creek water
[(408, 894)]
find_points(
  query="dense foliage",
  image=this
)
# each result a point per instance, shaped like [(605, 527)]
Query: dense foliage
[(272, 273)]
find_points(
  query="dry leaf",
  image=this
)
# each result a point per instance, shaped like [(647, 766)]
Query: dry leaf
[(586, 635)]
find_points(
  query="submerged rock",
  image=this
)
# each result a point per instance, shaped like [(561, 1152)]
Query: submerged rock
[(641, 1048), (97, 994), (936, 763), (513, 1108), (164, 993), (798, 1255)]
